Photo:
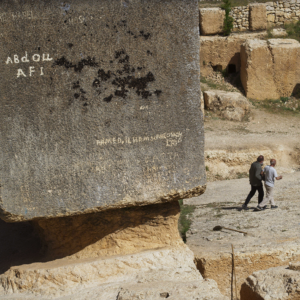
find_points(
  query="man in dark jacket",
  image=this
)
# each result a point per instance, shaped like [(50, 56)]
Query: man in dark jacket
[(255, 176)]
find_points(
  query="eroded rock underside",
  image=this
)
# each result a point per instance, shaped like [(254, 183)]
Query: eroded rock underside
[(110, 255)]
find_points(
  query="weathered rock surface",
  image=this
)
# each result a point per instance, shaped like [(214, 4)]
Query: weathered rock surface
[(223, 52), (270, 69), (91, 119), (211, 20), (273, 234), (257, 16), (278, 32), (202, 104), (113, 232), (162, 273), (295, 266), (229, 105), (279, 283)]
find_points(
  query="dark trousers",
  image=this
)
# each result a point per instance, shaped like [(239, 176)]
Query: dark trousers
[(260, 190)]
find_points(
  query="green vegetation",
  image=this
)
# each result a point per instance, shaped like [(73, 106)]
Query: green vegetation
[(284, 99), (206, 168), (242, 175), (211, 85), (184, 223), (293, 30), (284, 105), (269, 33), (228, 20)]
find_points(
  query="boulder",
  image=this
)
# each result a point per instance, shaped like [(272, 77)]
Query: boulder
[(85, 103), (228, 105), (278, 32), (270, 69), (280, 283), (211, 20), (257, 16)]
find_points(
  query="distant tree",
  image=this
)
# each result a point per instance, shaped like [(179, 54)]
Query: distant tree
[(228, 20)]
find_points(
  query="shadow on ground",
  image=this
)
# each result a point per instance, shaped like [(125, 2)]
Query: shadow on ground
[(18, 245)]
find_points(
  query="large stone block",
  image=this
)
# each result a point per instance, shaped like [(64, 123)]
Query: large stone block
[(257, 16), (211, 20), (99, 110), (270, 69)]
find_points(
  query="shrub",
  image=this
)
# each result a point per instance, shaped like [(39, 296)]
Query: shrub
[(228, 20)]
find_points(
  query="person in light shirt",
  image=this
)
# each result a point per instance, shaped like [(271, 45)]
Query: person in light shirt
[(270, 176)]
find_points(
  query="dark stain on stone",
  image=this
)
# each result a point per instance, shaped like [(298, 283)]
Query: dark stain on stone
[(157, 92), (76, 85), (149, 53), (146, 36), (90, 62), (70, 45), (76, 96), (107, 122), (96, 83), (124, 79), (124, 60), (104, 76), (119, 53), (108, 99), (131, 33)]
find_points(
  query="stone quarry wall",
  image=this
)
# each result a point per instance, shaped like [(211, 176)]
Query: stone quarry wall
[(270, 14), (280, 78), (220, 52)]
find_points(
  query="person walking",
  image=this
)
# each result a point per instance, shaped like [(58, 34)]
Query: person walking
[(255, 177), (270, 176)]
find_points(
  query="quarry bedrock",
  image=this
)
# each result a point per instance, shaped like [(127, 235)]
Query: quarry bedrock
[(100, 106)]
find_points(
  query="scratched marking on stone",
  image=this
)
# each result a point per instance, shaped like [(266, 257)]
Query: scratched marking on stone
[(172, 139)]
